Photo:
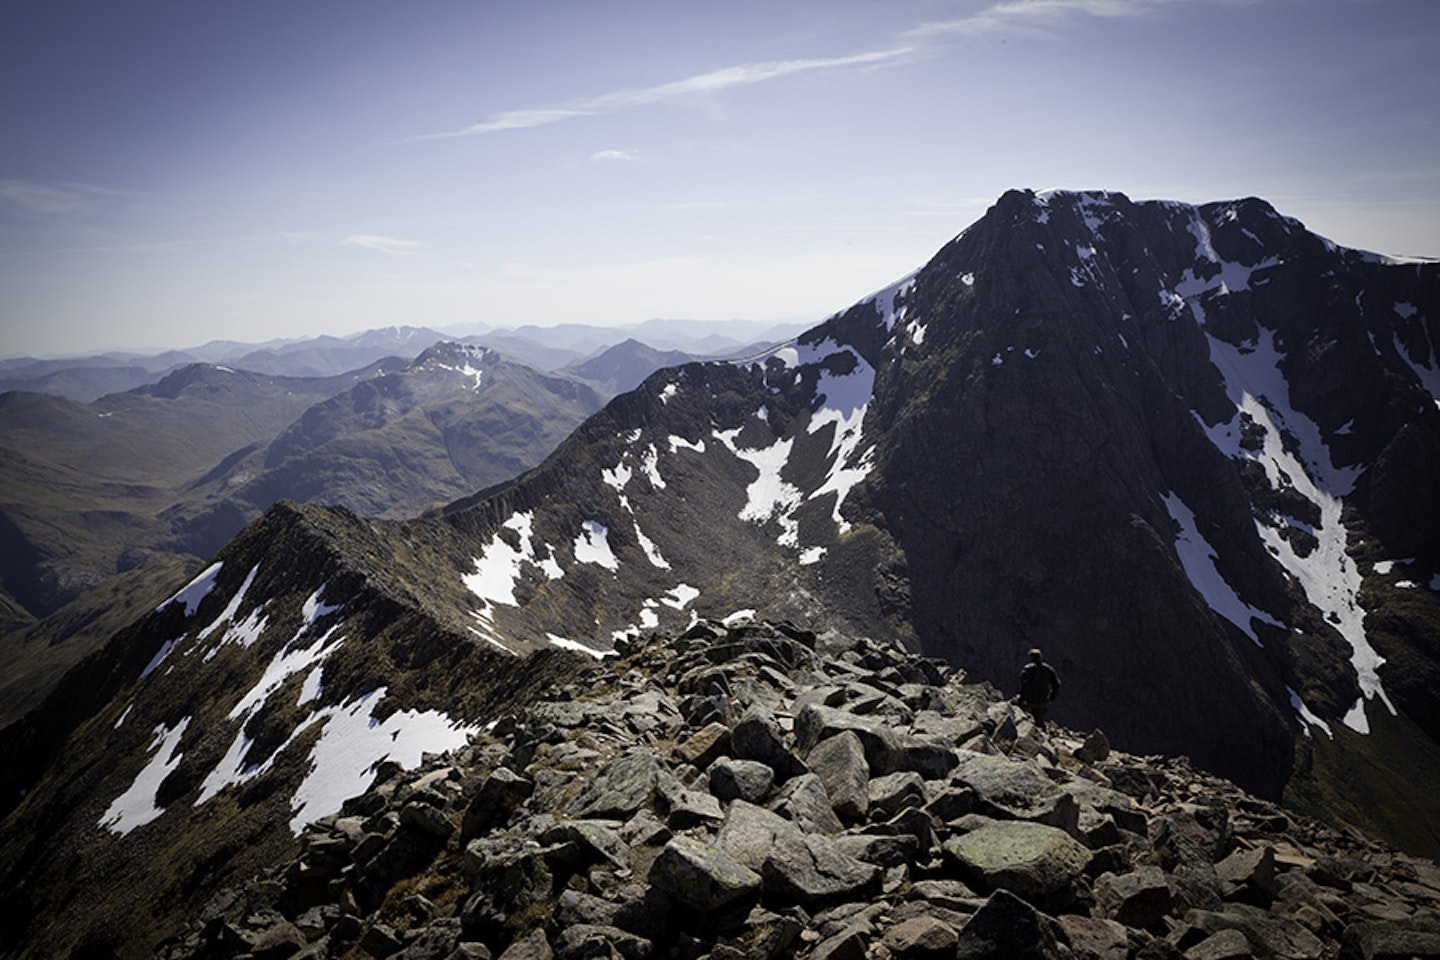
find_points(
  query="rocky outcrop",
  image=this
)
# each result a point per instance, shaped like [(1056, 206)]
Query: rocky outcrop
[(583, 827)]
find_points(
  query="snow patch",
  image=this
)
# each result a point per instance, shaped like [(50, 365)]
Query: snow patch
[(233, 607), (136, 806), (578, 647), (196, 590), (669, 392), (159, 657), (500, 565), (354, 743), (1328, 575), (1199, 560), (680, 597), (678, 443), (768, 496), (1307, 717), (314, 607), (593, 546)]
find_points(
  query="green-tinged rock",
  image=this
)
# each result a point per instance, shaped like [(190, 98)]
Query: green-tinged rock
[(1029, 859), (701, 876)]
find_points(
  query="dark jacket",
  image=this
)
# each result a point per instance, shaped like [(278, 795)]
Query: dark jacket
[(1038, 683)]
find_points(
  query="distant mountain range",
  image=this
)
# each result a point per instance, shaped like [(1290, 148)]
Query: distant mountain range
[(1191, 452), (86, 378)]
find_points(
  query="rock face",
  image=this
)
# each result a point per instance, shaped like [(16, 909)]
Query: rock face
[(541, 880)]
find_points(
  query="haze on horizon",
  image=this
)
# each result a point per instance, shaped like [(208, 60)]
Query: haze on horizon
[(174, 173)]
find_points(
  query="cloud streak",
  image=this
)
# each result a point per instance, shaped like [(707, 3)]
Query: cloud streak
[(715, 81), (380, 244), (1009, 14)]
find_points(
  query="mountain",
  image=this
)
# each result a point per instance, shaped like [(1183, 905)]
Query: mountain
[(84, 484), (455, 419), (1191, 452), (623, 367)]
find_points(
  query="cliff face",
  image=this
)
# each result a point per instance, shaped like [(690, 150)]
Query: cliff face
[(751, 791)]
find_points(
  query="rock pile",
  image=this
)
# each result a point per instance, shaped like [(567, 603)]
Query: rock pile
[(751, 792)]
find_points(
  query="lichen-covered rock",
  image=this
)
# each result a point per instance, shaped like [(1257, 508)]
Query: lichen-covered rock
[(1029, 859), (701, 876)]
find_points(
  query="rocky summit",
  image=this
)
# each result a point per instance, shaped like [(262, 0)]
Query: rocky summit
[(751, 791)]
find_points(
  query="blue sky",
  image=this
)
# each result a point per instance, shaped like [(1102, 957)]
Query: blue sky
[(176, 171)]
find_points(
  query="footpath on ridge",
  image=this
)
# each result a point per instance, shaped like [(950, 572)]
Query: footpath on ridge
[(753, 792)]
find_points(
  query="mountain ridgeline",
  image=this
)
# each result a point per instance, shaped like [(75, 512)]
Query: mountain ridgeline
[(1193, 453)]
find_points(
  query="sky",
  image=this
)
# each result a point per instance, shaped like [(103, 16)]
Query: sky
[(178, 171)]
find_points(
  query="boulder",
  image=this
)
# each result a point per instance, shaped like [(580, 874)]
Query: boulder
[(1095, 938), (921, 938), (810, 870), (1011, 790), (895, 792), (805, 801), (620, 787), (757, 736), (1008, 927), (1140, 898), (839, 762), (500, 794), (748, 780), (705, 747), (882, 746), (750, 833), (1031, 860), (700, 876)]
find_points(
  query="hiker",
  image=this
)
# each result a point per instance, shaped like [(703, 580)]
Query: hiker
[(1039, 686)]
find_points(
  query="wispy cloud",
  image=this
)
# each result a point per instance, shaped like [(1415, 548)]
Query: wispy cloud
[(381, 244), (726, 78), (613, 155), (49, 199), (1009, 14)]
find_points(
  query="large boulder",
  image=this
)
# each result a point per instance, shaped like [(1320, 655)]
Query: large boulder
[(1012, 790), (1031, 860), (839, 762), (700, 876)]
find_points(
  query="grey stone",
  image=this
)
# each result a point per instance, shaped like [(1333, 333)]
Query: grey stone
[(1095, 938), (804, 801), (750, 833), (811, 870), (621, 787), (1140, 898), (1225, 945), (1008, 927), (757, 736), (1030, 859), (895, 792), (587, 941), (532, 946), (700, 876), (921, 938), (1008, 789), (839, 762), (748, 780), (426, 819), (500, 794), (882, 745), (705, 747)]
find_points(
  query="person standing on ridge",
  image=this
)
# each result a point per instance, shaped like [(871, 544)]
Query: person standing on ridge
[(1039, 686)]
